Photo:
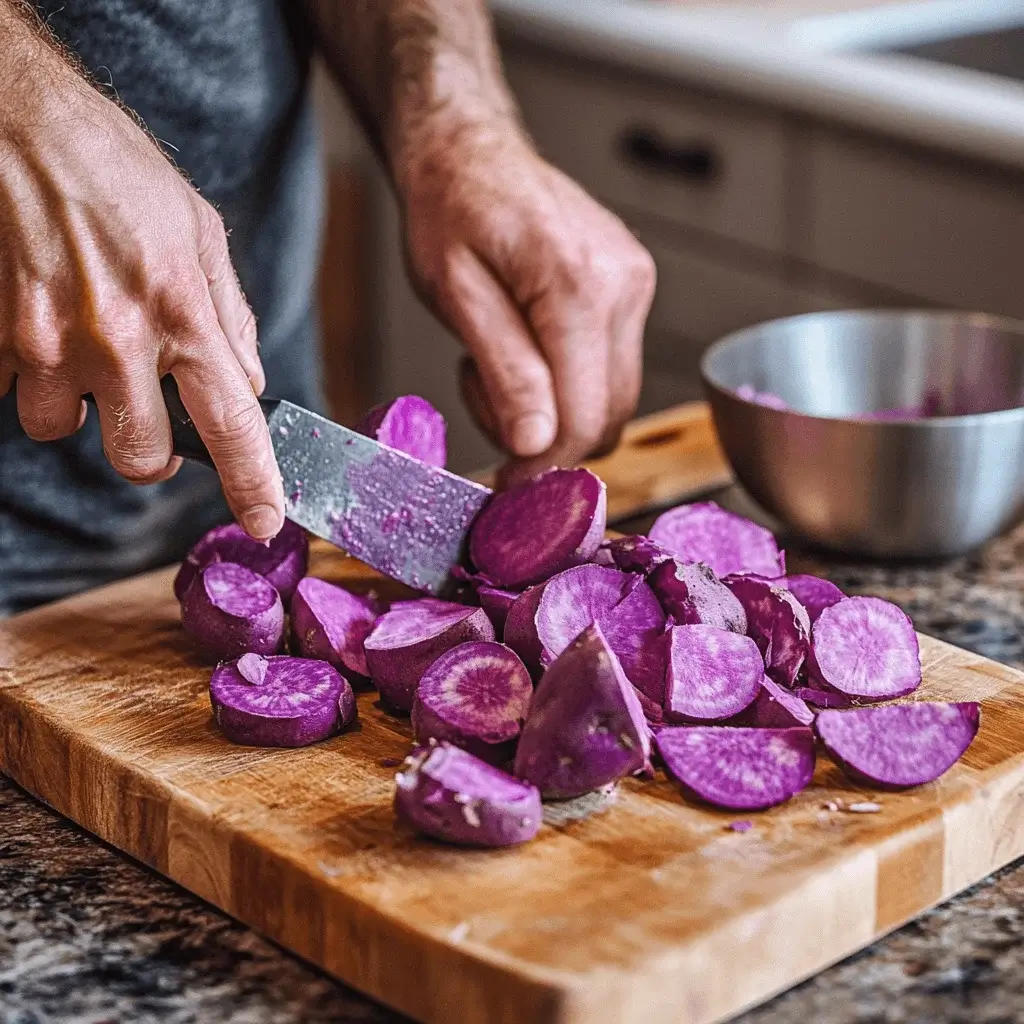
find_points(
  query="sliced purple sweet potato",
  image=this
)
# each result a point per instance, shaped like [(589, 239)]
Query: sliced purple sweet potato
[(407, 639), (777, 623), (738, 768), (818, 698), (448, 794), (521, 629), (712, 674), (230, 610), (538, 528), (776, 708), (585, 727), (635, 553), (866, 648), (330, 623), (411, 425), (635, 631), (728, 543), (814, 593), (574, 599), (474, 696), (283, 562), (694, 596), (497, 603), (284, 702), (899, 745)]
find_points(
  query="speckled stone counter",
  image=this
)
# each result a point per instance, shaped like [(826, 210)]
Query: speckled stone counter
[(89, 937)]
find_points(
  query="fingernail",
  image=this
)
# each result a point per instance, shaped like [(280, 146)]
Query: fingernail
[(262, 522), (532, 433)]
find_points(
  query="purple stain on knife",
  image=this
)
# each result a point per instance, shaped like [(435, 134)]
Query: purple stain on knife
[(411, 533)]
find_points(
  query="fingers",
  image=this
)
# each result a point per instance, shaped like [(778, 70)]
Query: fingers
[(219, 398), (49, 409), (236, 317), (133, 421), (517, 384)]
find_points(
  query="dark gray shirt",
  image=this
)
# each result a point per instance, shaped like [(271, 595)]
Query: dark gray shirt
[(222, 84)]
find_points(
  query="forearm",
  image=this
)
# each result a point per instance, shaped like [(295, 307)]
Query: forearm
[(420, 72)]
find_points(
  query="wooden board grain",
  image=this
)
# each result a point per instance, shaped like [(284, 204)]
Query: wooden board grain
[(651, 911)]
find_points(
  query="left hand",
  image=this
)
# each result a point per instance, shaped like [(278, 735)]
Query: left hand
[(548, 290)]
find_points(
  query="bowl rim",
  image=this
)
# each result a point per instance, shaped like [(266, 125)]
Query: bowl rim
[(1006, 323)]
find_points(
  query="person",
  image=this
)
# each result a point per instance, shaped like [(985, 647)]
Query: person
[(158, 164)]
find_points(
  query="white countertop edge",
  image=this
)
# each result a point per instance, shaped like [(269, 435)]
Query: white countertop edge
[(959, 111)]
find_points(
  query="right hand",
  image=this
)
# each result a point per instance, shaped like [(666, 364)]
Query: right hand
[(114, 272)]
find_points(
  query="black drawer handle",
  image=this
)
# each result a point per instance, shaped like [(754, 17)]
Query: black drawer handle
[(695, 161)]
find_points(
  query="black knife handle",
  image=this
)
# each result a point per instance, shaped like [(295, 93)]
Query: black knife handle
[(184, 434)]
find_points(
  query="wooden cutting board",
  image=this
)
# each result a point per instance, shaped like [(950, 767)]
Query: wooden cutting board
[(652, 910)]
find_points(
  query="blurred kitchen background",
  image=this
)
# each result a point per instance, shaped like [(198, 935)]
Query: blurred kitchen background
[(776, 157)]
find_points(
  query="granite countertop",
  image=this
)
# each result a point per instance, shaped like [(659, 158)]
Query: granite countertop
[(830, 59), (90, 937)]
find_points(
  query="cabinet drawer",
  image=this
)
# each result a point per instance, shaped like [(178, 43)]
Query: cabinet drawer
[(660, 149), (704, 298), (949, 234)]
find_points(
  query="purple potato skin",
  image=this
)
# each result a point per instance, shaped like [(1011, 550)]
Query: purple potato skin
[(223, 636), (585, 727), (396, 671), (497, 603), (432, 797), (776, 708), (813, 592), (311, 637), (427, 725), (636, 553), (693, 595), (282, 562), (521, 629), (334, 708)]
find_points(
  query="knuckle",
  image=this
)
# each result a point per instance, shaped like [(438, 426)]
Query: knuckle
[(238, 428)]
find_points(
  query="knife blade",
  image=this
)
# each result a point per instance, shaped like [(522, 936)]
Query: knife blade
[(407, 520)]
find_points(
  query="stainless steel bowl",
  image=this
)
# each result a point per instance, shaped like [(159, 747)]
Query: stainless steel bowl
[(902, 487)]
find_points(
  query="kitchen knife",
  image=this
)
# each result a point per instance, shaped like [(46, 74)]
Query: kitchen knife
[(407, 520)]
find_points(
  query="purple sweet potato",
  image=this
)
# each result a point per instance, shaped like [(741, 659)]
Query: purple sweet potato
[(818, 698), (474, 696), (776, 708), (283, 562), (712, 674), (330, 623), (280, 702), (635, 631), (814, 593), (629, 614), (497, 603), (521, 628), (409, 424), (898, 745), (538, 528), (574, 599), (407, 639), (585, 727), (449, 794), (736, 768), (230, 611), (777, 623), (694, 596), (726, 542), (865, 648), (635, 554)]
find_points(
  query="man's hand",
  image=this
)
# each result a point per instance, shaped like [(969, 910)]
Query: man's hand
[(114, 272), (548, 290)]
